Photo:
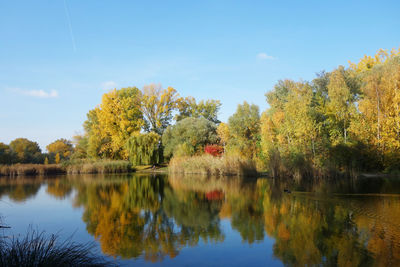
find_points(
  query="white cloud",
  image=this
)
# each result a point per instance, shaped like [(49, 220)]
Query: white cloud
[(42, 93), (108, 85), (36, 93), (264, 56)]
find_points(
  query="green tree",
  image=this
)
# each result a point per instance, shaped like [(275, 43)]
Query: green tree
[(244, 129), (26, 151), (207, 109), (194, 132), (340, 107), (80, 146), (6, 154)]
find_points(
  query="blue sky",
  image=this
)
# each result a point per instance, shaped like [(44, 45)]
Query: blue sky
[(58, 57)]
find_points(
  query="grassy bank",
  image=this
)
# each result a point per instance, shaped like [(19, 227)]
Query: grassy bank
[(209, 165), (161, 168), (31, 169)]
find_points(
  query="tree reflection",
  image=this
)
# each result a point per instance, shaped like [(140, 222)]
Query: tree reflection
[(59, 188), (20, 190), (156, 216), (143, 216)]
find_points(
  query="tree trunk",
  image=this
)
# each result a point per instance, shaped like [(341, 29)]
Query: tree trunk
[(378, 114)]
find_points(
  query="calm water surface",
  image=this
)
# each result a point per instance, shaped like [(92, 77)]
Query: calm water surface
[(190, 221)]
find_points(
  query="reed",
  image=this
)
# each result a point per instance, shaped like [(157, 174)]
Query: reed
[(31, 169), (102, 166), (69, 167), (210, 165)]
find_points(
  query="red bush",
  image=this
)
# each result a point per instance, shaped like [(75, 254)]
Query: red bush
[(214, 150)]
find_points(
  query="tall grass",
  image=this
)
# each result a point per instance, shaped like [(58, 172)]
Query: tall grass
[(209, 165), (37, 249), (31, 169), (70, 167), (102, 166), (299, 167)]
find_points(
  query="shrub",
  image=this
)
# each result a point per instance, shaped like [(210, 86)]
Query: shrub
[(184, 150), (214, 150), (194, 132)]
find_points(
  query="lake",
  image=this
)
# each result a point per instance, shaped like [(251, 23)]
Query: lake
[(146, 219)]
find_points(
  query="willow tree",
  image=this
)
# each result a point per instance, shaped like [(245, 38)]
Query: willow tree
[(144, 148)]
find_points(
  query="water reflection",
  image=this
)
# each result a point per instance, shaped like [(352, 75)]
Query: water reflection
[(19, 190), (144, 215), (156, 216)]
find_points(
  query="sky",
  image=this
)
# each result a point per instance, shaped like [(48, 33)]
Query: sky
[(58, 57)]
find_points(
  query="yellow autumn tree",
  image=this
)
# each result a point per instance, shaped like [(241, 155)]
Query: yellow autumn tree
[(157, 106), (290, 132), (97, 146), (223, 133), (244, 131), (111, 124), (368, 62), (57, 158), (378, 121), (299, 126), (63, 147)]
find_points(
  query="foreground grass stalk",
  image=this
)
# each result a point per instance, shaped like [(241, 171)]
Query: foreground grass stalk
[(37, 249)]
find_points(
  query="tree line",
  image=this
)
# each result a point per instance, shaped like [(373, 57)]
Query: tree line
[(345, 120), (22, 150)]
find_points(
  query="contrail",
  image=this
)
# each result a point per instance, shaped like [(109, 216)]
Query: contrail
[(70, 25)]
